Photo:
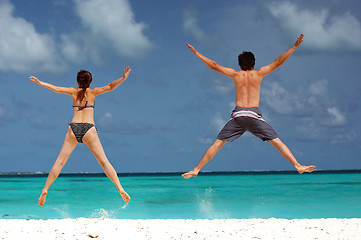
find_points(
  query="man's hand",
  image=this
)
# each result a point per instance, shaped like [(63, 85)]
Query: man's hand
[(126, 71), (192, 48), (298, 42)]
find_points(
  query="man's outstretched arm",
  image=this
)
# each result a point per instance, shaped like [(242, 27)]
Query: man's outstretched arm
[(281, 59), (229, 72)]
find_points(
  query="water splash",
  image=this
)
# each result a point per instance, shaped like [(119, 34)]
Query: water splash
[(64, 212), (205, 202), (101, 213)]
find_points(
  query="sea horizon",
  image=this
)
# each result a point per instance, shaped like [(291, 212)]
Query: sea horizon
[(174, 173)]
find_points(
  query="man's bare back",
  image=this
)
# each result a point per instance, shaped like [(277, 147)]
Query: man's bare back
[(247, 85)]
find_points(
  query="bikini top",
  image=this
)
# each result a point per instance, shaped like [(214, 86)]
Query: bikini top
[(85, 106)]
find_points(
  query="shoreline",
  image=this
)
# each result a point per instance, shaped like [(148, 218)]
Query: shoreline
[(104, 228)]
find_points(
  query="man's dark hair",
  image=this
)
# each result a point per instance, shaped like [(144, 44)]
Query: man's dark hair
[(246, 60)]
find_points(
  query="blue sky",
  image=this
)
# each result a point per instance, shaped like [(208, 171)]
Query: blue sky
[(171, 108)]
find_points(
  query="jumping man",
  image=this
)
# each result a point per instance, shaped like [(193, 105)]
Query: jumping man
[(246, 116)]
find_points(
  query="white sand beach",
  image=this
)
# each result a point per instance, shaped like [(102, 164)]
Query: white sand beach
[(100, 228)]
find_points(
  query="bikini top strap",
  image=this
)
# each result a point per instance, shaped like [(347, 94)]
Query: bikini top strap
[(85, 106)]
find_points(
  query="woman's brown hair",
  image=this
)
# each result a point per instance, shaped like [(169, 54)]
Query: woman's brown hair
[(84, 79)]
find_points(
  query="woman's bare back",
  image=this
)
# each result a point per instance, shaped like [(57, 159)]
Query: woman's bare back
[(82, 110)]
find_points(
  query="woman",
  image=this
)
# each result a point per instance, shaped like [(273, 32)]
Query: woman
[(81, 128)]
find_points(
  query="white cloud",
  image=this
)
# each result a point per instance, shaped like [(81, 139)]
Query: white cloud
[(205, 140), (11, 110), (112, 29), (218, 122), (106, 120), (277, 97), (222, 85), (319, 88), (322, 31), (305, 99), (71, 50), (316, 116), (112, 23), (336, 117), (22, 48), (191, 26), (309, 129), (38, 122), (343, 137), (232, 105)]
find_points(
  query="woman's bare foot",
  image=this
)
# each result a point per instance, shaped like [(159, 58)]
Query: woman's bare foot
[(42, 198), (193, 173), (303, 169), (125, 196)]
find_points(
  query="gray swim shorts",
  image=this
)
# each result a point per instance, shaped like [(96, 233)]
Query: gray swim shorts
[(246, 119)]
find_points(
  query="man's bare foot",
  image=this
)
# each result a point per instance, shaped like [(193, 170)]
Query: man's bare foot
[(189, 174), (42, 198), (303, 169), (125, 196)]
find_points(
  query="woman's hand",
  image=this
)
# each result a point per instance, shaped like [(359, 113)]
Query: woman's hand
[(34, 79)]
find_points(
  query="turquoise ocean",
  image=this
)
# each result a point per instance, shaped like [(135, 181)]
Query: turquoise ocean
[(332, 194)]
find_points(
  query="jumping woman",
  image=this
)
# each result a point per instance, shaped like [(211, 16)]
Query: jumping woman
[(82, 129)]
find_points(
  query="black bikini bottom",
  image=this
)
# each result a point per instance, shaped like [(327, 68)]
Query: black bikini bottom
[(80, 129)]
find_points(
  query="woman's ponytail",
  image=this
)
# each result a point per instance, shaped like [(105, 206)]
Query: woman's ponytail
[(84, 79)]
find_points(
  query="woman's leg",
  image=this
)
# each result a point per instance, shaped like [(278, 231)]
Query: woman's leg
[(68, 146), (286, 153), (91, 139), (208, 155)]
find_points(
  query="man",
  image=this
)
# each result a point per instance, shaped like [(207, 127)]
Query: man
[(246, 116)]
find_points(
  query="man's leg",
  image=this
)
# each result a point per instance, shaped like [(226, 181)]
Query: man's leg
[(210, 153), (286, 153)]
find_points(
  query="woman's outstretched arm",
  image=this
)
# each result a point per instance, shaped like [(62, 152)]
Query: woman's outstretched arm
[(113, 85), (57, 89)]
